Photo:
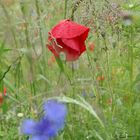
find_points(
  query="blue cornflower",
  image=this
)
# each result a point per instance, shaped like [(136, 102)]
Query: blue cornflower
[(49, 125)]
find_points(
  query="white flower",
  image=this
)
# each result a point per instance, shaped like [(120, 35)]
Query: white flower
[(20, 115)]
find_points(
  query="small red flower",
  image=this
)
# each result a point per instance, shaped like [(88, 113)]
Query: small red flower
[(68, 37), (51, 60), (1, 98), (4, 91), (100, 78), (91, 46)]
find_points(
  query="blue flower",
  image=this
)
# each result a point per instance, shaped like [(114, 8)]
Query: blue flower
[(49, 125), (55, 112)]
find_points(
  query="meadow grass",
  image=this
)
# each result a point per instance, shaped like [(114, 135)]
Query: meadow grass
[(101, 88)]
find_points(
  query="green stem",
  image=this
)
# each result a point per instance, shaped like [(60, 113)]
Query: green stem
[(108, 73), (26, 26), (65, 13), (38, 13), (131, 59), (40, 33)]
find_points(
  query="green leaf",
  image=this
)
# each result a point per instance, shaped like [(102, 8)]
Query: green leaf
[(83, 104), (4, 107), (137, 79), (9, 85), (42, 77)]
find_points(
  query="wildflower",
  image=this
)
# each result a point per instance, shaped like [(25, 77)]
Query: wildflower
[(49, 125), (56, 112), (1, 98), (100, 78), (4, 91), (20, 115), (68, 37), (51, 60), (3, 95), (91, 46)]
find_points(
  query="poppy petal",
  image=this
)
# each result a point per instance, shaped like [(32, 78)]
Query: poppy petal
[(68, 29), (72, 43), (71, 54)]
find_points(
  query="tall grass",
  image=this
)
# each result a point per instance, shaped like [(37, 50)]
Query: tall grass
[(101, 89)]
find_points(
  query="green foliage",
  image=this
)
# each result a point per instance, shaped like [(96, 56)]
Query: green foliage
[(108, 78)]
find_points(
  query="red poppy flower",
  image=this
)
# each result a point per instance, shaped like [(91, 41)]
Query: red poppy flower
[(68, 37)]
